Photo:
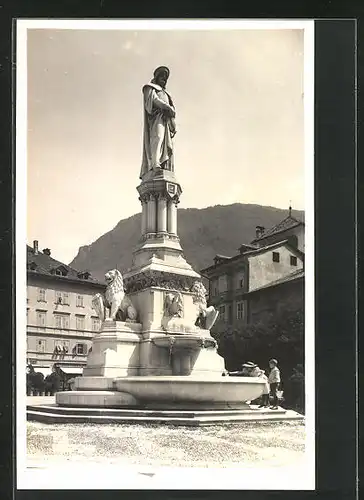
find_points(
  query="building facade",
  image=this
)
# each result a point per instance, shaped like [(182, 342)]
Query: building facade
[(290, 229), (275, 255), (60, 319), (270, 299), (231, 280)]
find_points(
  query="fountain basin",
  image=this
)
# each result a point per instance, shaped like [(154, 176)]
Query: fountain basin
[(184, 350), (186, 341), (176, 392)]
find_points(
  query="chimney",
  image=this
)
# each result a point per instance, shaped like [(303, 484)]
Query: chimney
[(259, 230), (47, 251), (35, 247)]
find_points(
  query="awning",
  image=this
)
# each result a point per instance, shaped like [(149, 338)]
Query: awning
[(45, 370), (73, 370)]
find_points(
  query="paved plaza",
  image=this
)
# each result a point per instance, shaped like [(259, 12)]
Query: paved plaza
[(250, 444)]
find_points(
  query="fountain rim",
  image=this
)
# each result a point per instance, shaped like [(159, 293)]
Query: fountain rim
[(188, 379)]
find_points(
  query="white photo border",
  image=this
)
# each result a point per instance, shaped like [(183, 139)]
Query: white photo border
[(111, 477)]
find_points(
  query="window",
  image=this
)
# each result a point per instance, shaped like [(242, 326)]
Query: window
[(230, 318), (96, 324), (62, 298), (275, 256), (41, 295), (65, 346), (240, 280), (41, 318), (79, 301), (62, 321), (81, 349), (214, 287), (41, 345), (60, 271), (80, 322), (293, 260), (65, 322), (223, 283), (58, 320), (222, 310), (240, 310)]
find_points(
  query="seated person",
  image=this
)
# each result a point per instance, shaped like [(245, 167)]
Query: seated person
[(247, 370)]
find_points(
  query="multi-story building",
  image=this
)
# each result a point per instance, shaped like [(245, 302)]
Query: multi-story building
[(60, 319), (290, 229), (234, 282), (277, 295)]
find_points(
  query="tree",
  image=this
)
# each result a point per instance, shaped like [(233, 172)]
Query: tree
[(280, 335)]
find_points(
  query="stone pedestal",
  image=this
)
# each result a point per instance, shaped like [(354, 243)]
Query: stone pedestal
[(115, 351)]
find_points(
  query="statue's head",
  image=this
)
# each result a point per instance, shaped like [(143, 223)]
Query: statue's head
[(199, 291), (114, 277), (161, 75)]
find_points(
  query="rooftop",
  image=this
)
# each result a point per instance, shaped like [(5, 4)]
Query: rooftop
[(288, 223), (220, 260), (41, 263)]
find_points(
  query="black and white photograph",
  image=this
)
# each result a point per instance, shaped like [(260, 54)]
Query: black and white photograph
[(165, 254)]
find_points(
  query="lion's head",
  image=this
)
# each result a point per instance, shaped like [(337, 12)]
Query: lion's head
[(114, 282), (199, 292)]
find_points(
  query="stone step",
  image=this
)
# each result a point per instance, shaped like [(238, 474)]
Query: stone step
[(52, 415), (66, 410)]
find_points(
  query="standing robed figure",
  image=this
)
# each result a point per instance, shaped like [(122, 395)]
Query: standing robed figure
[(159, 124)]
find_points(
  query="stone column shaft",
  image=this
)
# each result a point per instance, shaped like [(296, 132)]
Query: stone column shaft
[(144, 215), (162, 214), (172, 216), (152, 215)]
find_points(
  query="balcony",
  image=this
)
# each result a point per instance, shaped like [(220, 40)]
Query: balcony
[(56, 332)]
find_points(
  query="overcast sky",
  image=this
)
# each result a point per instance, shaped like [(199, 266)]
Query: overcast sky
[(239, 102)]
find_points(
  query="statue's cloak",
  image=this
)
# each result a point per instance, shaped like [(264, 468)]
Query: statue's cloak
[(159, 129)]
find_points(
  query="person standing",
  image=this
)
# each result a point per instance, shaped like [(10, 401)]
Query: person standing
[(274, 380), (265, 395)]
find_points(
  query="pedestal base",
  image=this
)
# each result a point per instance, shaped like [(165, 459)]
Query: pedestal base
[(115, 351), (51, 414), (95, 399)]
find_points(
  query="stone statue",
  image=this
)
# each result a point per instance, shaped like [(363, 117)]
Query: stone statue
[(206, 316), (114, 304), (159, 124), (173, 305)]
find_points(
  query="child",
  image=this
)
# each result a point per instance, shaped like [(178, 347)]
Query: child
[(265, 395), (274, 380)]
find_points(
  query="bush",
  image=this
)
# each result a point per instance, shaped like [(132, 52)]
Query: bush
[(278, 335), (295, 389)]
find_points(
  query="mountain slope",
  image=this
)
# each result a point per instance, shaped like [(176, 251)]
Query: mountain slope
[(203, 233)]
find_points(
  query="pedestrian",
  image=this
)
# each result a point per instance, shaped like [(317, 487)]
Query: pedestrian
[(265, 395), (274, 380)]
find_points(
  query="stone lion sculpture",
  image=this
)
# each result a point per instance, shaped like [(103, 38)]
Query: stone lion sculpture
[(114, 304), (206, 316)]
